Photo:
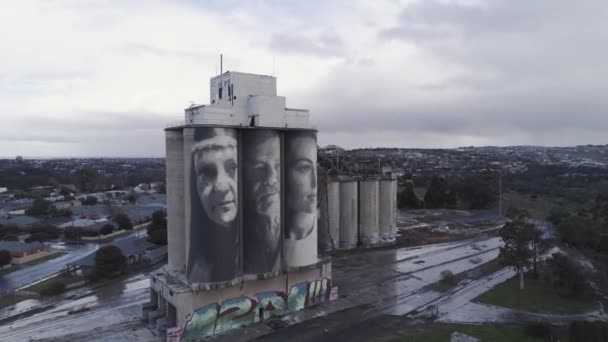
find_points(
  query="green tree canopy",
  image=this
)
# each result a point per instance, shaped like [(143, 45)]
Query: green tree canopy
[(437, 193), (158, 236), (5, 258), (109, 261), (39, 207), (123, 221), (516, 252)]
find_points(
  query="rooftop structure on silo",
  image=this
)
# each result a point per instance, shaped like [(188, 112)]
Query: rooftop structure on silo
[(243, 99)]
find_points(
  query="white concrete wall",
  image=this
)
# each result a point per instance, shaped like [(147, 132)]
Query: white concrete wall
[(271, 109)]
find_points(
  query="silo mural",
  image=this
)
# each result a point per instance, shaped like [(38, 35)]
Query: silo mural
[(262, 202), (300, 241), (214, 251)]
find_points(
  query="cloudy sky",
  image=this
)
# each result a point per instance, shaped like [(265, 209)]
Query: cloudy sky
[(102, 78)]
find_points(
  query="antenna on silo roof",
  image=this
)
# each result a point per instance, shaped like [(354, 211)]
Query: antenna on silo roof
[(221, 64)]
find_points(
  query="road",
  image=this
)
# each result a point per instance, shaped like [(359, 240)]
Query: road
[(29, 274)]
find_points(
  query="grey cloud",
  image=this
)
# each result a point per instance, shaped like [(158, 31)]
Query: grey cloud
[(528, 72), (193, 53), (324, 45)]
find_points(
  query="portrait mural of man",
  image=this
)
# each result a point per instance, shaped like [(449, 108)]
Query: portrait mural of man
[(214, 252), (300, 244), (262, 198)]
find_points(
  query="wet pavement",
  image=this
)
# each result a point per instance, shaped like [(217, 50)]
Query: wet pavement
[(388, 281)]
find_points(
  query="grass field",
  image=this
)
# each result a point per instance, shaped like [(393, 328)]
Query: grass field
[(537, 296), (486, 332)]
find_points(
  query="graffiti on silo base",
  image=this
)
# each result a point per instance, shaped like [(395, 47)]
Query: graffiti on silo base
[(262, 194), (300, 244), (213, 190), (241, 311)]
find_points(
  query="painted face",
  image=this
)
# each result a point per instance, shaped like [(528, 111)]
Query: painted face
[(302, 174), (266, 163), (216, 178)]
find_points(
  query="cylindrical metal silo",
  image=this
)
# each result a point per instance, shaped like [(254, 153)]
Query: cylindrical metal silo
[(393, 216), (188, 141), (333, 212), (212, 208), (368, 212), (349, 214), (388, 201), (261, 202), (300, 233), (324, 238), (176, 239)]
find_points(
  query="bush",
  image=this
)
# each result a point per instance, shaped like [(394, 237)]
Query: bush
[(538, 330), (90, 200), (10, 237), (109, 260), (159, 221), (589, 331), (39, 207), (106, 229), (53, 287), (123, 221), (448, 278), (158, 236), (5, 258), (40, 237)]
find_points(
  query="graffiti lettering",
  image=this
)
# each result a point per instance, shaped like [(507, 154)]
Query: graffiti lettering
[(241, 311)]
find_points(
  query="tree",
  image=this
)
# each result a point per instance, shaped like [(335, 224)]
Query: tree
[(159, 221), (73, 234), (568, 276), (478, 191), (5, 258), (158, 236), (132, 197), (109, 260), (40, 237), (6, 231), (516, 252), (514, 212), (577, 230), (106, 229), (10, 237), (90, 200), (161, 188), (39, 207), (437, 193), (88, 179), (539, 246), (407, 198), (123, 221)]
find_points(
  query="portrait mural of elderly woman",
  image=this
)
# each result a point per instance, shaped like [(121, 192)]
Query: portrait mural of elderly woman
[(300, 241), (262, 202), (214, 251)]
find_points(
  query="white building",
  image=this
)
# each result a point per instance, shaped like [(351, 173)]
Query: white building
[(242, 99)]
